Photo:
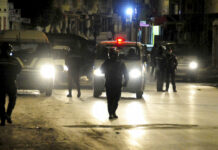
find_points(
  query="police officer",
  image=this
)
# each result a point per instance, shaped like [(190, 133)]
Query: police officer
[(73, 62), (160, 68), (114, 70), (153, 61), (170, 69), (9, 68)]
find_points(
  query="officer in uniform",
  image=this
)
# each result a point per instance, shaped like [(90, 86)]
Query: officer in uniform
[(114, 70), (153, 61), (9, 68), (73, 62), (160, 68), (170, 69)]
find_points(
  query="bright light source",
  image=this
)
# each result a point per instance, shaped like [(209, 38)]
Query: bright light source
[(98, 72), (65, 68), (193, 65), (47, 71), (120, 40), (156, 30), (129, 11), (134, 73)]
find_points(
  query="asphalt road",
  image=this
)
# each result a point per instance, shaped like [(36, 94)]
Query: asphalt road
[(184, 120)]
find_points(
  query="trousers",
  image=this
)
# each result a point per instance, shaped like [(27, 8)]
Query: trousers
[(113, 96), (11, 91)]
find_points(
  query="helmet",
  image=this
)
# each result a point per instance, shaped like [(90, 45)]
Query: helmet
[(161, 50), (6, 49)]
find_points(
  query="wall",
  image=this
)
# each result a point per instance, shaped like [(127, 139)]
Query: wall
[(211, 6), (4, 13)]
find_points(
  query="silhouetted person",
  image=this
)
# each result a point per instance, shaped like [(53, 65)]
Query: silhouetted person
[(160, 68), (153, 60), (132, 53), (170, 69), (9, 68), (73, 62), (114, 70)]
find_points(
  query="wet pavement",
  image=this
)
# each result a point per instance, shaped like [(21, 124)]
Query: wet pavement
[(187, 119)]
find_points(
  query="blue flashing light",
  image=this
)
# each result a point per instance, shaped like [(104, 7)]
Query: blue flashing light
[(129, 11)]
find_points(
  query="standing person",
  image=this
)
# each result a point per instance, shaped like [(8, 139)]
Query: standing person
[(139, 35), (114, 70), (160, 68), (170, 69), (73, 62), (153, 61), (9, 68)]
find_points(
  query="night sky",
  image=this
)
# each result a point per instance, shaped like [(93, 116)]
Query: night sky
[(31, 8)]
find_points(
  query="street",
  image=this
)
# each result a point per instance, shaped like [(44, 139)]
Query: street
[(187, 119)]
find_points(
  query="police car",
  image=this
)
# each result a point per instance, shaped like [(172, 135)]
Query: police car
[(132, 55)]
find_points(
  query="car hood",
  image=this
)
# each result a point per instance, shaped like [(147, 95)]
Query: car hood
[(186, 59)]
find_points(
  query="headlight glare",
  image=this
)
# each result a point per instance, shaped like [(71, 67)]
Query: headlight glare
[(193, 65), (98, 72), (47, 71), (65, 68), (135, 73)]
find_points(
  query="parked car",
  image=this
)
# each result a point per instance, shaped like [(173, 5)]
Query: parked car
[(33, 49)]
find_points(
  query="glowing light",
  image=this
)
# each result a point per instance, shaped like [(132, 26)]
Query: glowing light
[(135, 113), (193, 65), (47, 71), (65, 68), (99, 111), (129, 11), (120, 40), (98, 72), (135, 73)]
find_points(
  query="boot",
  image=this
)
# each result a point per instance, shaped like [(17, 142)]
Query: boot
[(8, 118), (78, 94)]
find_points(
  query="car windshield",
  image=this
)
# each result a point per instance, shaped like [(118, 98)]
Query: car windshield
[(183, 50), (33, 49), (125, 52), (60, 52)]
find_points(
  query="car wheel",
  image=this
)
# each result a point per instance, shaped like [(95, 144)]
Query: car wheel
[(97, 93), (48, 92), (139, 94)]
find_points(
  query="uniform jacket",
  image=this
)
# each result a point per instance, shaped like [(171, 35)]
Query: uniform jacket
[(114, 71), (73, 61), (171, 62), (9, 68)]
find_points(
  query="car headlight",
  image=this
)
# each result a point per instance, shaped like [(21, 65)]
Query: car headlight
[(65, 68), (47, 71), (135, 73), (98, 72), (193, 65)]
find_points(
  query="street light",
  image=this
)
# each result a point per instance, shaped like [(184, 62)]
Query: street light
[(129, 12)]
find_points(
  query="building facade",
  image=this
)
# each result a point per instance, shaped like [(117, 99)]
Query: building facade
[(4, 15)]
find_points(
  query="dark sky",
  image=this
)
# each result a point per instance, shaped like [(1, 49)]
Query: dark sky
[(31, 8)]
